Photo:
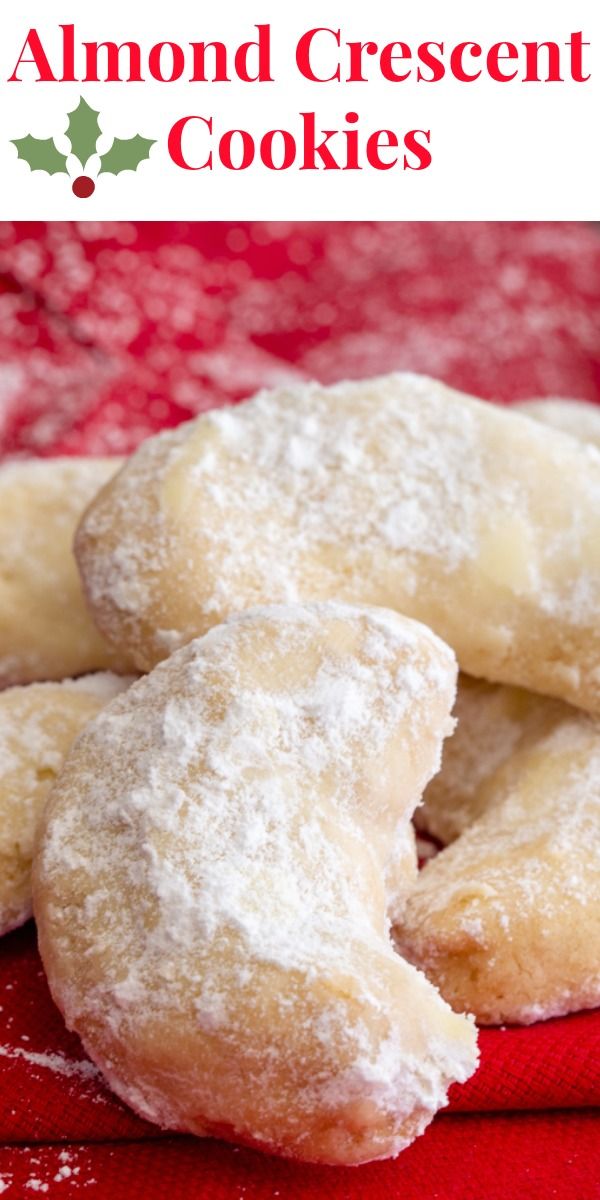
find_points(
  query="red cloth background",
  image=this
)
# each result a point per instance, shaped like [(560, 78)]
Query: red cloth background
[(108, 333)]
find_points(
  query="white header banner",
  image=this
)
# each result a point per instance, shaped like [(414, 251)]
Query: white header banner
[(315, 111)]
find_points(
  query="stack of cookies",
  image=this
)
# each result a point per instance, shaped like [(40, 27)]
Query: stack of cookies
[(224, 871)]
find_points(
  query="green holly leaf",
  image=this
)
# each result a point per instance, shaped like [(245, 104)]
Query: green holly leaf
[(83, 131), (41, 154), (126, 154)]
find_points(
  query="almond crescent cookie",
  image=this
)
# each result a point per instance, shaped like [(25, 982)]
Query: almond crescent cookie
[(496, 726), (395, 491), (46, 631), (38, 723), (506, 920), (214, 879)]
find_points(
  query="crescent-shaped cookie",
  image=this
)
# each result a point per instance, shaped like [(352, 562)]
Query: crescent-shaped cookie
[(215, 875), (396, 491), (46, 631), (506, 919)]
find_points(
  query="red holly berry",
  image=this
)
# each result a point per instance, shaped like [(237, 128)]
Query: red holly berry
[(83, 187)]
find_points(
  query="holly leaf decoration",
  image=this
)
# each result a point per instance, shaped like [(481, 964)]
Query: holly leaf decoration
[(83, 131), (126, 154), (41, 154)]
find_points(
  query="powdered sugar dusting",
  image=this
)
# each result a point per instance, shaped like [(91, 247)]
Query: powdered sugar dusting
[(55, 1062), (36, 1171), (575, 417)]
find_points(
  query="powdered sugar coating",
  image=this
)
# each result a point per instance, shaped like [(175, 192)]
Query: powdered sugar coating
[(38, 723), (576, 417), (216, 873), (394, 491), (506, 920), (46, 631)]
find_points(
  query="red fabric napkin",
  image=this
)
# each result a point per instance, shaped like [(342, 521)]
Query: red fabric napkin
[(532, 1157), (110, 332)]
